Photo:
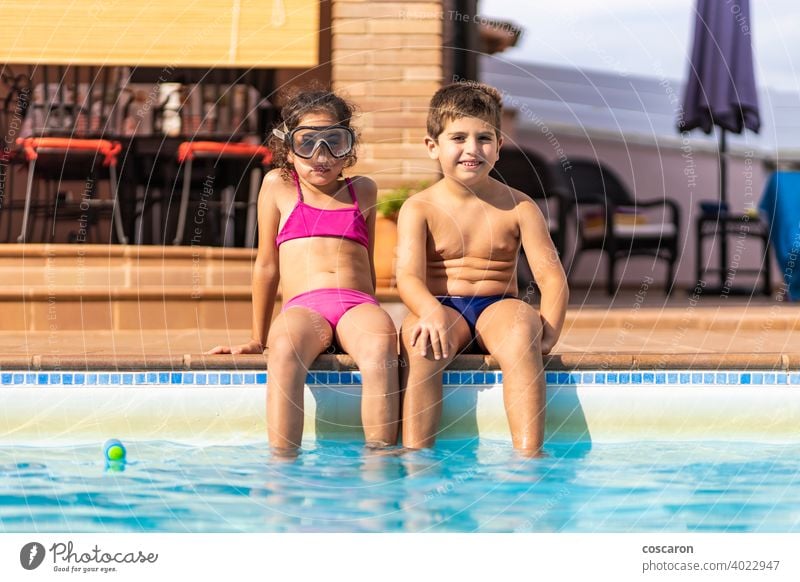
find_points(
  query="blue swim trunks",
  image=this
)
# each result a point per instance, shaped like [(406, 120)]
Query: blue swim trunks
[(470, 308)]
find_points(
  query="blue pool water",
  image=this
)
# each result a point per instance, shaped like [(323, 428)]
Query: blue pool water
[(461, 486)]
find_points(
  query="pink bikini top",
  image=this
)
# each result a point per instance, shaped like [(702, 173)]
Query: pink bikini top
[(307, 221)]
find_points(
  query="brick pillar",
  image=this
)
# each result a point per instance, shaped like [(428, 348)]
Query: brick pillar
[(387, 57)]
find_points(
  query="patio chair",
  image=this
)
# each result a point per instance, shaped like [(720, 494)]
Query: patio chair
[(610, 220), (68, 136), (222, 119), (14, 101), (219, 151)]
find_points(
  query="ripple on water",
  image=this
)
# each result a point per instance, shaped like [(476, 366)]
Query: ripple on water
[(458, 486)]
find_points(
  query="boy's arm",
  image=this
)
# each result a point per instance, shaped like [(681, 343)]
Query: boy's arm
[(265, 272), (547, 271), (431, 329)]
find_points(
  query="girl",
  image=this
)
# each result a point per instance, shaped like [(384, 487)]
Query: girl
[(316, 235)]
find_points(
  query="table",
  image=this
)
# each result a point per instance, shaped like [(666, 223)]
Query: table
[(720, 227)]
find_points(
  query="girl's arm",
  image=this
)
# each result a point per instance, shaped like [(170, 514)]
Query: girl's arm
[(266, 273), (367, 194)]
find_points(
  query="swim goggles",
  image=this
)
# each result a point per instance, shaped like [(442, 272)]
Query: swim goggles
[(305, 140)]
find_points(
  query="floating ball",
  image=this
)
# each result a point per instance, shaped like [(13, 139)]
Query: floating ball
[(114, 450)]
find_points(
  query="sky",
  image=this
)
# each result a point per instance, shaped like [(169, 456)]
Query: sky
[(644, 37)]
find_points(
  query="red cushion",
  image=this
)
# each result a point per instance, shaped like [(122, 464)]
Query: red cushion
[(188, 149), (109, 149)]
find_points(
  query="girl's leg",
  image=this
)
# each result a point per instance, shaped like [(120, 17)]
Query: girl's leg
[(296, 338), (368, 334), (511, 331)]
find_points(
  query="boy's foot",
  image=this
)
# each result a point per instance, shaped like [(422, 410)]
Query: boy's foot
[(284, 454), (531, 453), (384, 450)]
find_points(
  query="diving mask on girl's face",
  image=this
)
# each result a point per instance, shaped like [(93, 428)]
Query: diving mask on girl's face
[(305, 140)]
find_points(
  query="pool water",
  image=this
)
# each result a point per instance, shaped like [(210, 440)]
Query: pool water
[(461, 486)]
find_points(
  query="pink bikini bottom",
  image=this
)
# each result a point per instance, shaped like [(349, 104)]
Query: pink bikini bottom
[(331, 304)]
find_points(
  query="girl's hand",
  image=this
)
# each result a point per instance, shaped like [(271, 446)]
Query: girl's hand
[(251, 347), (431, 330)]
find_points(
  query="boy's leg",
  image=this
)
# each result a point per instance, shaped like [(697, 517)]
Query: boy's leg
[(511, 331), (421, 381), (296, 338), (368, 334)]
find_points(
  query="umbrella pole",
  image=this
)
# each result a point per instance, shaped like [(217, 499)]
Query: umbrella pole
[(723, 166), (723, 197)]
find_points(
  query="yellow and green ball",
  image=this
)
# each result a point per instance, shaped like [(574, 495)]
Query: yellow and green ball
[(114, 450)]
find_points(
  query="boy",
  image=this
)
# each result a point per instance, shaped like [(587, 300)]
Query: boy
[(459, 244)]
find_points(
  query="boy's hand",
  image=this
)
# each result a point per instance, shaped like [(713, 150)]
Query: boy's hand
[(431, 329), (548, 342), (251, 347)]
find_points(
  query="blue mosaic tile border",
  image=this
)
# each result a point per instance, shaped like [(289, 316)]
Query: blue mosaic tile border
[(456, 378), (676, 377), (132, 378)]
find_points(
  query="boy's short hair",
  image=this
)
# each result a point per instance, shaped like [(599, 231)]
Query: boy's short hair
[(464, 100)]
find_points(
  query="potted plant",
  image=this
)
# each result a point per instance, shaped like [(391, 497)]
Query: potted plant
[(389, 202), (388, 207)]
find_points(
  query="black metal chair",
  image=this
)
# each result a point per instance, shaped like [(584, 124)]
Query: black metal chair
[(222, 117), (610, 220), (69, 135), (14, 101)]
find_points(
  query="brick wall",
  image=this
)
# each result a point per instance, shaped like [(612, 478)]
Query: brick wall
[(387, 56)]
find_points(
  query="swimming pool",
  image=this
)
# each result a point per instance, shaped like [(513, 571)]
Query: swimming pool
[(628, 451), (461, 486)]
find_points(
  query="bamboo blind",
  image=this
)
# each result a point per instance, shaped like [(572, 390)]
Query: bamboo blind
[(235, 33)]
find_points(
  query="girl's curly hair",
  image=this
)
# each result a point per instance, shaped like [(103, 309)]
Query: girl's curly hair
[(300, 103)]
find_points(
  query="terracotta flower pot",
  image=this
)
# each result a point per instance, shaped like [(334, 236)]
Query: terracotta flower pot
[(385, 251)]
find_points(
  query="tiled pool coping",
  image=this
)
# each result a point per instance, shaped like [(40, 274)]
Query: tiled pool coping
[(604, 362), (451, 378)]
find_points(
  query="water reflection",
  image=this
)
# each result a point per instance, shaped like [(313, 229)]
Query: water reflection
[(461, 486), (458, 486)]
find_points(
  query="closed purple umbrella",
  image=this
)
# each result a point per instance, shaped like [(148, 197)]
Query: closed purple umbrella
[(721, 87)]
